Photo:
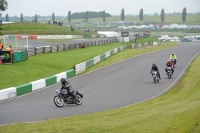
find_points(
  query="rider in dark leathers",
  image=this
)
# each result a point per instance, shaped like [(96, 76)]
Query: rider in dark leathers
[(155, 68), (66, 85), (169, 64)]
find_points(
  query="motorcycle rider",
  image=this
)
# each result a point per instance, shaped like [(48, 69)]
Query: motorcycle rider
[(173, 56), (155, 68), (66, 85), (169, 64)]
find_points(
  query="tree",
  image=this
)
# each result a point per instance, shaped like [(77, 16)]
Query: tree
[(155, 14), (86, 16), (36, 18), (122, 15), (53, 16), (184, 14), (104, 16), (7, 18), (3, 5), (22, 18), (69, 16), (162, 15), (141, 15)]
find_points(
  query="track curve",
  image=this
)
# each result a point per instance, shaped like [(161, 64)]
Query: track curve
[(114, 86)]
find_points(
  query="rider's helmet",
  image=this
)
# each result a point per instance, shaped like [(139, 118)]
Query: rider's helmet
[(62, 80), (153, 64)]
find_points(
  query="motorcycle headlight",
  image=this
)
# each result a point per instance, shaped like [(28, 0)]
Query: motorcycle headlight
[(57, 92)]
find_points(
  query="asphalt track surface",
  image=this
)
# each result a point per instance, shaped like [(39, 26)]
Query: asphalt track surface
[(117, 85)]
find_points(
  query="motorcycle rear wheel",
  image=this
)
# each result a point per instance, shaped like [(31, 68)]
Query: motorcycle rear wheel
[(169, 75), (59, 101)]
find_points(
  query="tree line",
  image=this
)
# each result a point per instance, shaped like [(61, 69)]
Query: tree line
[(89, 14), (162, 15)]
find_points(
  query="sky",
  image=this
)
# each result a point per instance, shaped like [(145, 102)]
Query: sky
[(114, 7)]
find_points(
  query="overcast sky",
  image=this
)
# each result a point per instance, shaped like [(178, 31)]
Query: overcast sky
[(114, 7)]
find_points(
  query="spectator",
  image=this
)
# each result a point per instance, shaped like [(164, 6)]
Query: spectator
[(82, 45), (1, 46), (9, 49)]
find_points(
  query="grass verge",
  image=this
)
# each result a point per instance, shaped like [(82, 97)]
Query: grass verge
[(176, 111), (45, 65)]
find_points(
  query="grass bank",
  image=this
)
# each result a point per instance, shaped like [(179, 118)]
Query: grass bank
[(39, 29), (176, 111)]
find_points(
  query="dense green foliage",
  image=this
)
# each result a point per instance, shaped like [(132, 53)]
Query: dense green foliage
[(162, 15), (81, 15), (148, 39), (122, 15), (184, 14), (141, 15), (3, 5)]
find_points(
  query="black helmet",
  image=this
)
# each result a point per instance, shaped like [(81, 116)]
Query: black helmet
[(62, 80), (153, 64)]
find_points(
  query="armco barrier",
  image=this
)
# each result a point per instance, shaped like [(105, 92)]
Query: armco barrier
[(35, 85), (81, 67), (134, 46)]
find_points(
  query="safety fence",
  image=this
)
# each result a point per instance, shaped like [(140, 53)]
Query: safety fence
[(65, 47), (139, 45), (81, 67)]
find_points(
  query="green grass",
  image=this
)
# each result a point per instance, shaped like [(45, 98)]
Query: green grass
[(38, 29), (143, 40), (176, 111), (42, 66)]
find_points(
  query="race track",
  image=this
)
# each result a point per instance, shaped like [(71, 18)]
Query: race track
[(114, 86)]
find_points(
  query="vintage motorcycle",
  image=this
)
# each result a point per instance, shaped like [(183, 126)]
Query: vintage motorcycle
[(155, 76), (169, 72), (62, 97)]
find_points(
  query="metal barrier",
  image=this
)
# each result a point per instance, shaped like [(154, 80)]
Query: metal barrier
[(65, 47)]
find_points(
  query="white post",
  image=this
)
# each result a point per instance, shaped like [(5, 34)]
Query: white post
[(15, 41), (4, 41), (27, 42)]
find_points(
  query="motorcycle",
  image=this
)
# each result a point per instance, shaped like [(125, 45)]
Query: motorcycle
[(62, 97), (173, 62), (169, 72), (155, 76)]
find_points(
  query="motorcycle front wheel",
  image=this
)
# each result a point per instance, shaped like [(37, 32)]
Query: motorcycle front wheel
[(78, 100), (169, 75), (154, 79), (59, 101)]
